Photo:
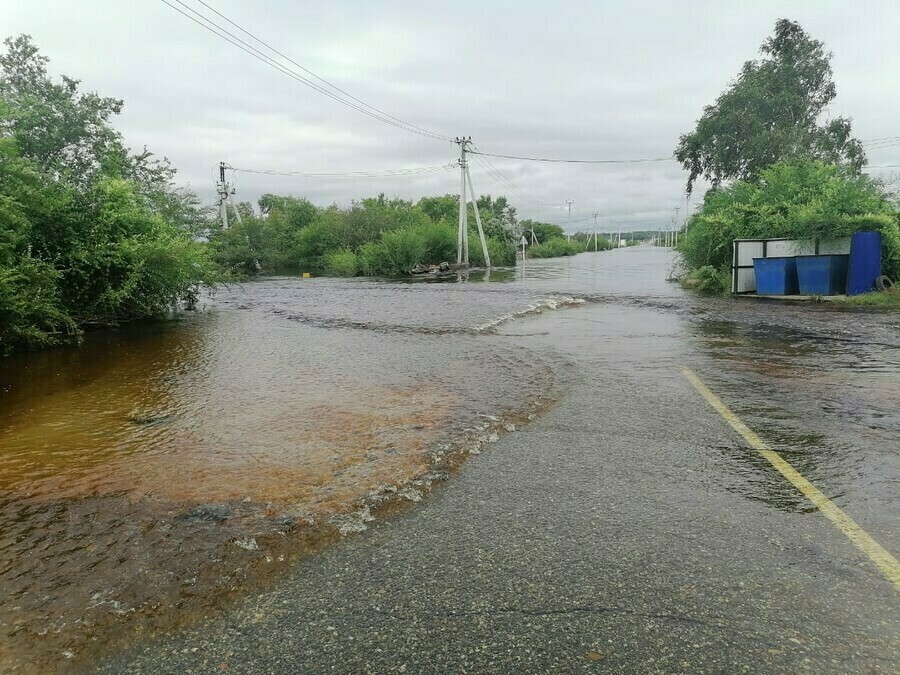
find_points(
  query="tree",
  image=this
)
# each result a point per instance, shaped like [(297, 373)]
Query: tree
[(89, 232), (770, 114), (444, 208), (498, 216), (78, 138), (806, 199), (543, 231)]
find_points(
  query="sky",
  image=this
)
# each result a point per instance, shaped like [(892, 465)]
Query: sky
[(588, 80)]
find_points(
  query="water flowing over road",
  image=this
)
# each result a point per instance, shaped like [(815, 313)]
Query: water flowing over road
[(168, 475)]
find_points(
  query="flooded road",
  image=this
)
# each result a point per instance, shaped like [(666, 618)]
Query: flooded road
[(152, 473)]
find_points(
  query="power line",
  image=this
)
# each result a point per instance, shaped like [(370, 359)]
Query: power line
[(576, 161), (321, 79), (349, 174), (880, 146), (877, 140), (225, 34), (566, 223), (506, 183)]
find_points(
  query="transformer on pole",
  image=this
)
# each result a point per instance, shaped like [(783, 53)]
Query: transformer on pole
[(225, 191)]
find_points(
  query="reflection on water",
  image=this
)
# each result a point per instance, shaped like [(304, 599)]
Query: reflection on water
[(152, 471)]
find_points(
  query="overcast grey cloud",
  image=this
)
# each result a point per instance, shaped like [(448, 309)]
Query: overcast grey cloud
[(608, 80)]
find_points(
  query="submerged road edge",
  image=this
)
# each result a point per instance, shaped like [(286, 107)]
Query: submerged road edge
[(886, 563)]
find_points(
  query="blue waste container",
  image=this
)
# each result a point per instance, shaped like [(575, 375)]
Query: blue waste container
[(775, 276), (822, 274), (865, 262)]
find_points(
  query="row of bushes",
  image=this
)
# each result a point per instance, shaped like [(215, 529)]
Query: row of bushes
[(395, 253), (797, 200), (383, 237), (556, 247)]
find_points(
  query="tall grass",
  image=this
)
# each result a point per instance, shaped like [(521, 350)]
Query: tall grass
[(888, 299), (503, 253), (343, 263), (395, 254)]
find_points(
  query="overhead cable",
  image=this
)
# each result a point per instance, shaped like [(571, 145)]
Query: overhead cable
[(223, 33), (321, 79), (576, 161), (867, 141), (506, 183), (349, 174), (879, 146)]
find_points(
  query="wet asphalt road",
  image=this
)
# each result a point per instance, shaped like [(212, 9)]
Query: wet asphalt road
[(623, 531)]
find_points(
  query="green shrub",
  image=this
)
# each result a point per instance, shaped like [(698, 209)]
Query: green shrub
[(440, 242), (543, 231), (344, 263), (30, 312), (502, 252), (395, 254), (554, 248)]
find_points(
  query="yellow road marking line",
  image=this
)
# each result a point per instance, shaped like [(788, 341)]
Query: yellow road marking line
[(883, 560)]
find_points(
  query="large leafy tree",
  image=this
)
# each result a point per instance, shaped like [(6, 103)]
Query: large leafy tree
[(771, 113), (67, 132)]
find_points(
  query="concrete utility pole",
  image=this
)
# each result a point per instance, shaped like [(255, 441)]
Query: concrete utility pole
[(225, 191), (462, 237), (675, 227), (569, 203)]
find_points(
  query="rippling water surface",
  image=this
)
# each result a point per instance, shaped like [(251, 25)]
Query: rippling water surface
[(153, 471)]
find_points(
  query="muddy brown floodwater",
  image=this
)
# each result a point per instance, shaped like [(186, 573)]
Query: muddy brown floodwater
[(152, 473)]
